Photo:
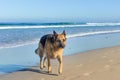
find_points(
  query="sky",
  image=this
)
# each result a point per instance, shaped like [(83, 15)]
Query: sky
[(59, 10)]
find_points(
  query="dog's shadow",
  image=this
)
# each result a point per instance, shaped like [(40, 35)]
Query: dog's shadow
[(39, 71), (18, 68)]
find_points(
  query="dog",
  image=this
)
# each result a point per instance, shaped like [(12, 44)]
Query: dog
[(51, 46)]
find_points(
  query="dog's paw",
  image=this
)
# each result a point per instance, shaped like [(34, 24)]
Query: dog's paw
[(60, 72), (41, 67), (44, 66), (49, 72)]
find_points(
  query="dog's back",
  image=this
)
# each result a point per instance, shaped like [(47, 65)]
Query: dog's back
[(43, 41), (44, 38)]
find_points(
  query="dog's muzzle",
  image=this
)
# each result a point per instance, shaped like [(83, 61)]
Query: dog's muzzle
[(61, 45)]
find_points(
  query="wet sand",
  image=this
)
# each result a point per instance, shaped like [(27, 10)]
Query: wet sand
[(99, 64)]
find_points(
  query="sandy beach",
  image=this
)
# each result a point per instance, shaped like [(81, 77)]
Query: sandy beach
[(99, 64)]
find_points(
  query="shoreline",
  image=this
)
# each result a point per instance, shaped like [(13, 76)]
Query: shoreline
[(98, 64)]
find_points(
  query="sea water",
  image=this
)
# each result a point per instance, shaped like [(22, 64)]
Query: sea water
[(18, 42), (18, 35)]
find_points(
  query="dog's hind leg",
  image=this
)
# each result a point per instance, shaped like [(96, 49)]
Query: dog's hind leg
[(41, 66), (49, 66), (44, 62), (41, 56)]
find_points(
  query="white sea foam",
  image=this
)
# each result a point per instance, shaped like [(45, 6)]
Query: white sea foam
[(19, 44), (92, 33), (103, 24), (57, 26)]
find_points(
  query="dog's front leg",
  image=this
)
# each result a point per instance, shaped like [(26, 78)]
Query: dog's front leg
[(44, 62), (49, 66), (60, 64)]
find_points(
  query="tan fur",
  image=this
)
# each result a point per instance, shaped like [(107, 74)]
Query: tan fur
[(52, 51)]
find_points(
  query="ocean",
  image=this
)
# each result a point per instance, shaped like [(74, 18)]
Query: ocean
[(18, 41), (13, 35)]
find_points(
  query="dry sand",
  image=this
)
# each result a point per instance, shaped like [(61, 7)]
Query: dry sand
[(101, 64)]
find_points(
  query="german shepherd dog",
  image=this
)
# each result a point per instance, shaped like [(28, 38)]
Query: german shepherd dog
[(51, 46)]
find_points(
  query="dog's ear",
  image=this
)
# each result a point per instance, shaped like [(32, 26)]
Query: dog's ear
[(55, 34), (64, 33)]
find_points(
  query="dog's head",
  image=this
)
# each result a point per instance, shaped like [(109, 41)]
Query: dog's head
[(59, 40)]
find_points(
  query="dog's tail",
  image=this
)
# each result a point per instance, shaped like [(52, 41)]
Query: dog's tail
[(37, 51)]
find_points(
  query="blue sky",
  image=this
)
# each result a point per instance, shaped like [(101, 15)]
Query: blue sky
[(59, 10)]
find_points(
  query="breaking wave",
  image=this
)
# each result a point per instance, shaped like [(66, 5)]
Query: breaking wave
[(57, 26), (92, 33)]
